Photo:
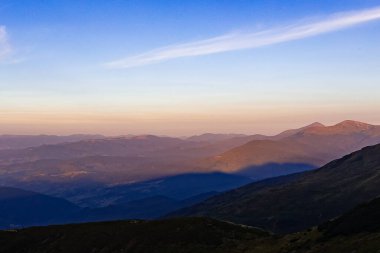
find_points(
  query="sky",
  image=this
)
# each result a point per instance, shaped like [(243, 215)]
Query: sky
[(186, 67)]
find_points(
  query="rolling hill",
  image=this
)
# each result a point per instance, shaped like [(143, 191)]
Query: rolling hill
[(313, 198), (19, 208), (356, 231), (145, 200), (177, 235)]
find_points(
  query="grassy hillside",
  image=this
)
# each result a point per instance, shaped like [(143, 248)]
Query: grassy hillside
[(357, 231), (176, 235), (313, 198)]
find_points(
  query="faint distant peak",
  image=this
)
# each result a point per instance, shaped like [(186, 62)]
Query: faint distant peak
[(144, 137), (315, 124), (214, 137)]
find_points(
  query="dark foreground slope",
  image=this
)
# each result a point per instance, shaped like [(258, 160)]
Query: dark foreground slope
[(357, 231), (176, 235), (365, 218), (313, 198)]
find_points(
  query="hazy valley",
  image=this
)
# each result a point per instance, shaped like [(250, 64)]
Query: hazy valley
[(122, 177)]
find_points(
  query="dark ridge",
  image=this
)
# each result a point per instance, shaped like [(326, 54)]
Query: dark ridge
[(313, 198)]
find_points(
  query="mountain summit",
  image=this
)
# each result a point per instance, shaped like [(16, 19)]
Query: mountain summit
[(314, 145), (355, 125)]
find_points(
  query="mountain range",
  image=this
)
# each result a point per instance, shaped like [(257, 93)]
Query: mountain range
[(77, 169), (27, 141), (120, 177), (137, 158), (330, 209), (314, 145)]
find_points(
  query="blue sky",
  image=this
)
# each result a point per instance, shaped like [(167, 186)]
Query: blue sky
[(85, 66)]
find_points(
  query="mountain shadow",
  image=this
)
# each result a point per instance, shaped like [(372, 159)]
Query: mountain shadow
[(147, 208), (314, 197), (178, 187), (270, 170), (20, 208)]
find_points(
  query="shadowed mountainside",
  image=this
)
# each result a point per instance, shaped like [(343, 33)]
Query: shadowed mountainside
[(313, 198), (177, 187), (25, 208), (357, 231), (177, 235), (146, 208), (145, 200), (270, 170)]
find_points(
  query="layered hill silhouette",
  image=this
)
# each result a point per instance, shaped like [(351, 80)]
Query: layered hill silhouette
[(314, 197), (145, 200), (212, 138), (331, 209), (77, 168), (27, 141), (107, 161), (132, 146)]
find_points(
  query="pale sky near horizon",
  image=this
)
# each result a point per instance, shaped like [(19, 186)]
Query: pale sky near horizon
[(186, 67)]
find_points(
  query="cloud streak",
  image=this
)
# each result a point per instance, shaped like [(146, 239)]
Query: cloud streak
[(240, 41), (5, 48)]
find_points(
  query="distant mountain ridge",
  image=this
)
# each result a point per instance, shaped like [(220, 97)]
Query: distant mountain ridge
[(313, 145), (211, 137), (28, 141)]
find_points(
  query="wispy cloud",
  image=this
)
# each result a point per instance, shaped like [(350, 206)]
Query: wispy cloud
[(239, 41), (5, 48)]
